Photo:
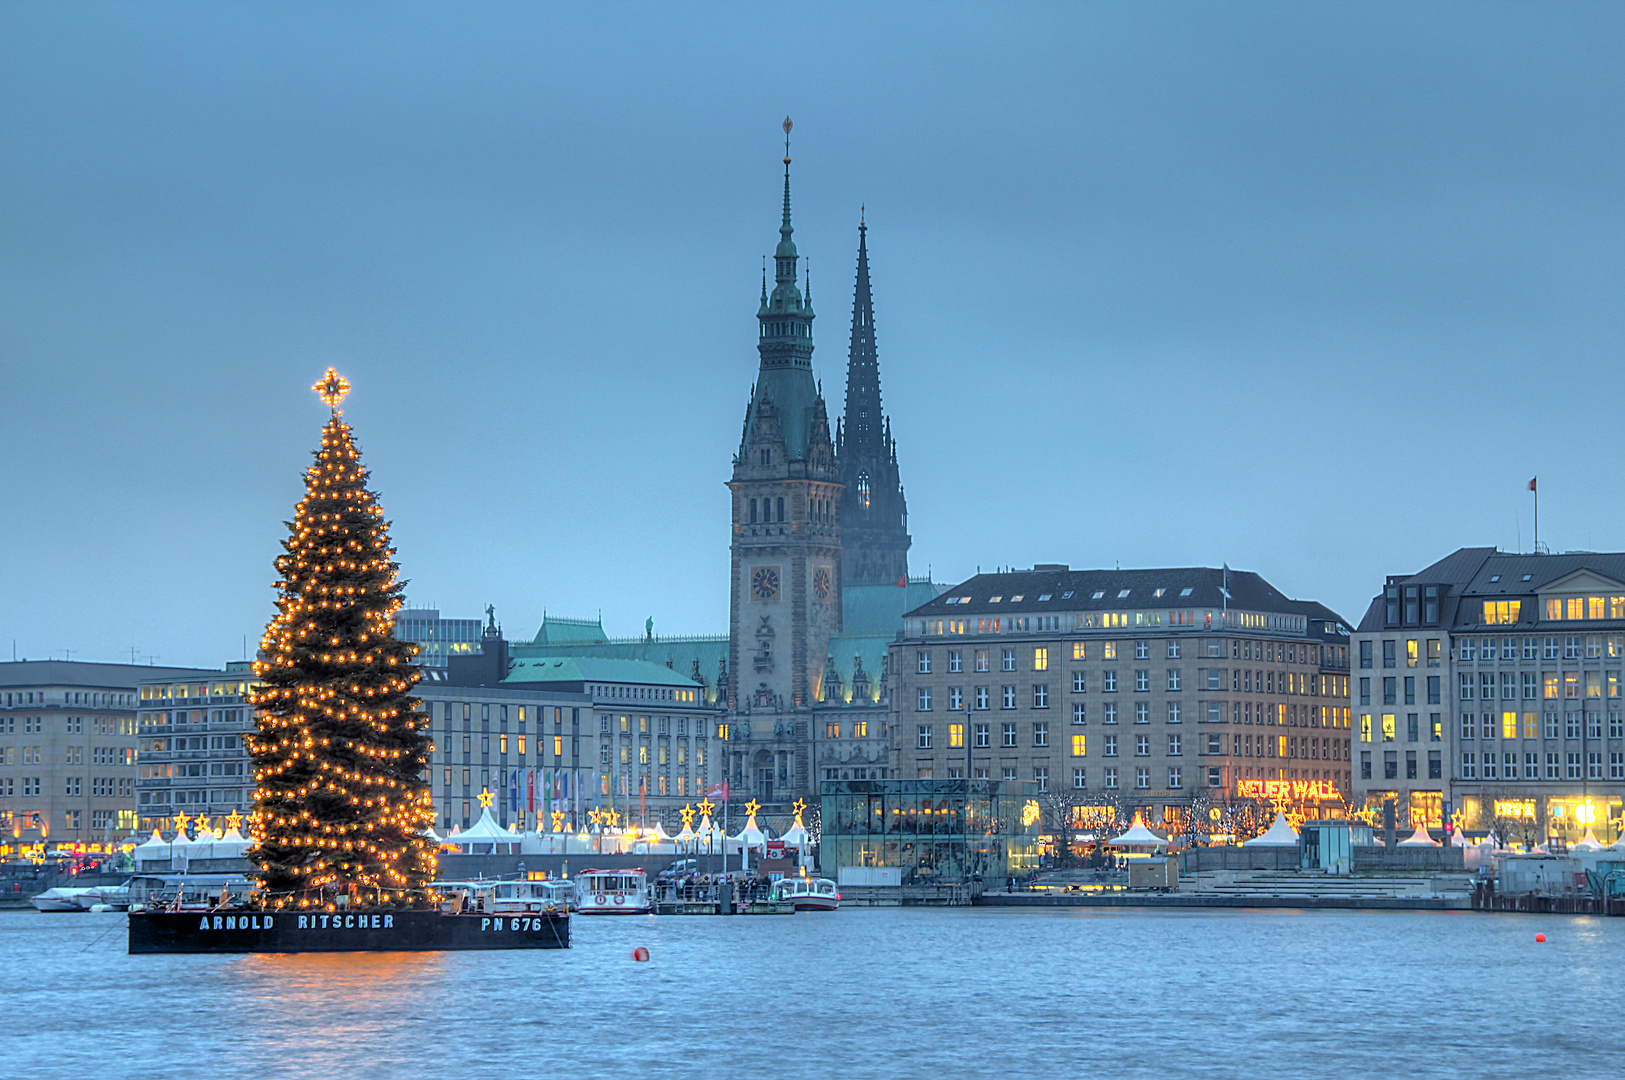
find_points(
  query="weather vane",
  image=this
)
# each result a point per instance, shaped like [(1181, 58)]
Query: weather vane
[(331, 388), (787, 127)]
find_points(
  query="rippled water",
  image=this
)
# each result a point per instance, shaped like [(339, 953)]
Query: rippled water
[(858, 993)]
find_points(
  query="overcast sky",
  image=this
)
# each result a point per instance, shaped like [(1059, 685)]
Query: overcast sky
[(1309, 289)]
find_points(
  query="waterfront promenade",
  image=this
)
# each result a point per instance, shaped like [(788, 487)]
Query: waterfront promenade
[(914, 992)]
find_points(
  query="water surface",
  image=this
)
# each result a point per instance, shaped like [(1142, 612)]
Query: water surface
[(859, 993)]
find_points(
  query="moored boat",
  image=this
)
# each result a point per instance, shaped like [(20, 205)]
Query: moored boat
[(504, 897), (613, 892), (808, 894), (61, 898)]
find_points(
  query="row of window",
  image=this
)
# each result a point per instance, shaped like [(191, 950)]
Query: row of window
[(1572, 647), (1544, 684), (1490, 766), (1279, 652), (1541, 725), (73, 787), (93, 698), (1390, 765)]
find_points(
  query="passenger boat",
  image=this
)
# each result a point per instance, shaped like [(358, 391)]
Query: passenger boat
[(185, 892), (62, 898), (808, 894), (613, 892), (504, 897)]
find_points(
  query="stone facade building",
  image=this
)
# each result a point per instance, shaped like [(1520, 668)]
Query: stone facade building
[(1488, 684), (68, 748), (1159, 683)]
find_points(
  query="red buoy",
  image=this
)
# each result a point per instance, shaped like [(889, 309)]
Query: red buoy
[(640, 953), (1538, 937)]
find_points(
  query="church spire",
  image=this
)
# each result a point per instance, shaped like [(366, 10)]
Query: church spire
[(861, 428), (874, 513)]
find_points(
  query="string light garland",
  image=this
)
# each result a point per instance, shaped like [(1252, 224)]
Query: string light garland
[(341, 748)]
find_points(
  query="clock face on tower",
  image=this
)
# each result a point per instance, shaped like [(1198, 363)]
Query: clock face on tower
[(764, 583), (821, 583)]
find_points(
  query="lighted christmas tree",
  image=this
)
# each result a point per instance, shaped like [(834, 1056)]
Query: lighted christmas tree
[(340, 801)]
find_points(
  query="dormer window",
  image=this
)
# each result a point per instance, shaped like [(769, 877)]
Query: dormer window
[(1123, 594), (767, 457), (1098, 594), (1159, 593), (1186, 591), (1043, 596)]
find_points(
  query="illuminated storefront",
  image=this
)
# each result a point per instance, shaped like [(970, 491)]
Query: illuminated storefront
[(922, 828)]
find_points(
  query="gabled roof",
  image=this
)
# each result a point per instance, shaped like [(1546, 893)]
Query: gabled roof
[(559, 631)]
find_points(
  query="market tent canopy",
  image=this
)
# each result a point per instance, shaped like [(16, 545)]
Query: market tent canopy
[(1588, 843), (484, 831), (1137, 836), (1279, 834), (1419, 838)]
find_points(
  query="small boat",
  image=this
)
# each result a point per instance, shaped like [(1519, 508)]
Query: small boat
[(186, 892), (613, 892), (808, 894), (105, 898), (61, 898), (499, 897)]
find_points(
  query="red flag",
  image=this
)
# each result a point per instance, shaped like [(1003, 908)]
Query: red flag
[(1532, 483), (902, 582), (719, 790)]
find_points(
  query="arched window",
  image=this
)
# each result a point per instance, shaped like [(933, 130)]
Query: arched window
[(863, 490), (753, 511), (781, 508)]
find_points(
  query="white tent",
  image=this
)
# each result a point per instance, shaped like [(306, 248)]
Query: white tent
[(685, 839), (153, 850), (231, 845), (1138, 836), (797, 836), (485, 837), (661, 836), (1279, 834), (1419, 838), (434, 838), (1587, 843)]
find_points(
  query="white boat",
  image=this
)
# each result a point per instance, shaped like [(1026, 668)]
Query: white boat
[(808, 894), (505, 897), (108, 897), (60, 899), (613, 892)]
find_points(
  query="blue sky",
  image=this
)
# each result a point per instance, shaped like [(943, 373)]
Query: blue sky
[(1309, 289)]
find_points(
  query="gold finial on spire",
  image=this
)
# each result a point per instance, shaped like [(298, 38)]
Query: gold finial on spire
[(331, 388), (787, 127), (862, 211)]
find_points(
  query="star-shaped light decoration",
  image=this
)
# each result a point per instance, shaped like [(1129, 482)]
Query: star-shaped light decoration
[(800, 805), (612, 818), (558, 821), (751, 807), (331, 388), (596, 816), (688, 815), (486, 798), (201, 824), (234, 821), (706, 806), (181, 821)]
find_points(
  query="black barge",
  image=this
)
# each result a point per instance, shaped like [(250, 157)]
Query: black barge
[(371, 930)]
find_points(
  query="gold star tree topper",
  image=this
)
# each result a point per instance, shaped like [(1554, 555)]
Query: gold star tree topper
[(331, 388), (486, 797)]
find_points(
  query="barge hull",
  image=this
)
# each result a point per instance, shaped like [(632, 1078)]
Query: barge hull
[(404, 930)]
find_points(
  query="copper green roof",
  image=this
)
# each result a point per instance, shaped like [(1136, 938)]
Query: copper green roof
[(587, 669)]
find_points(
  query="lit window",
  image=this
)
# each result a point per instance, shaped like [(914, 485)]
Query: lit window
[(1041, 658), (1080, 745)]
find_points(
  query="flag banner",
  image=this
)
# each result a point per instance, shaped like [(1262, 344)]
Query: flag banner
[(719, 790), (1532, 480), (530, 791)]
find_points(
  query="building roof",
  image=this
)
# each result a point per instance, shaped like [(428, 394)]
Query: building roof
[(89, 673), (588, 669), (560, 631), (1475, 572), (1053, 589), (878, 608)]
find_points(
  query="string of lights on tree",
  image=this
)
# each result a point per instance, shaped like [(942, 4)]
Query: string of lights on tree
[(340, 754)]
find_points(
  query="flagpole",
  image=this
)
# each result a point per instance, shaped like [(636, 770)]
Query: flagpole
[(1535, 489)]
